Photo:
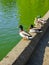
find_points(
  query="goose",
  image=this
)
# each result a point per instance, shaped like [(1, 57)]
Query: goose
[(34, 30), (24, 34)]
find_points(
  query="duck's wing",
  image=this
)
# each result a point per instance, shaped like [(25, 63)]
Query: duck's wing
[(25, 33)]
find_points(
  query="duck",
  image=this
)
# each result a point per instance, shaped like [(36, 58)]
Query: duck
[(37, 23), (24, 34), (41, 20), (34, 30)]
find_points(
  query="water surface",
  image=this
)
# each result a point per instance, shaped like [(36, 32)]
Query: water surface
[(12, 14)]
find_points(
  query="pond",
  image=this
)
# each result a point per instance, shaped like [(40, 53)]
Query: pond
[(12, 14)]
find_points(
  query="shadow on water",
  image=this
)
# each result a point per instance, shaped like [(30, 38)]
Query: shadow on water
[(37, 56)]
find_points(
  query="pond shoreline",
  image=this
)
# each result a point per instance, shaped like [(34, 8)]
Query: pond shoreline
[(22, 51)]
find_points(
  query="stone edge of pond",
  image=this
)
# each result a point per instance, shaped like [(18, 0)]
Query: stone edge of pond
[(20, 54)]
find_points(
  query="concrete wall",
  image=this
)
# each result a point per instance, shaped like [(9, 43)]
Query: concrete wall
[(20, 54)]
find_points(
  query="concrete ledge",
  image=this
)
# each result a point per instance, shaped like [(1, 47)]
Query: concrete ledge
[(22, 51)]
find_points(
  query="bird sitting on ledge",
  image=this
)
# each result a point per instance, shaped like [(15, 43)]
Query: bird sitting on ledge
[(34, 30), (24, 34)]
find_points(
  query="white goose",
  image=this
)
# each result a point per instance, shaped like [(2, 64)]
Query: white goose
[(24, 34)]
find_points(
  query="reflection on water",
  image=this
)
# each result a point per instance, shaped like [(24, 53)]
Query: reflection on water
[(9, 19), (13, 13), (29, 9)]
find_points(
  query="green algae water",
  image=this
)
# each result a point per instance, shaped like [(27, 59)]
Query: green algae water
[(9, 19), (12, 14)]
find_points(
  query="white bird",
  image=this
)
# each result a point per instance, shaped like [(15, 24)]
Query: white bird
[(34, 30), (41, 20), (24, 34)]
